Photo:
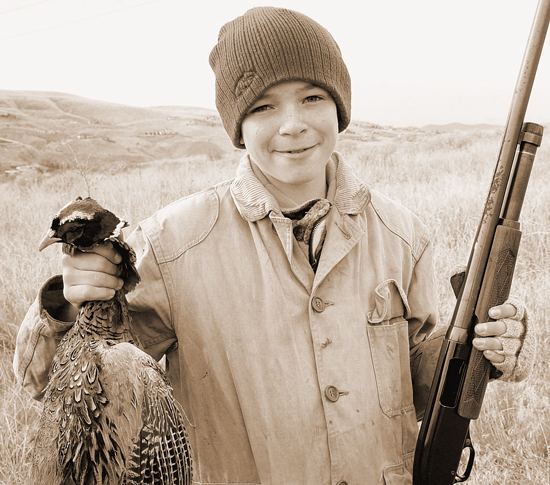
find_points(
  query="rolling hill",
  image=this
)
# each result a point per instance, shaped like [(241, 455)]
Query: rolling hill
[(43, 129)]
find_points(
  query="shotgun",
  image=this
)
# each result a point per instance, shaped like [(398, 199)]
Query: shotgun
[(462, 371)]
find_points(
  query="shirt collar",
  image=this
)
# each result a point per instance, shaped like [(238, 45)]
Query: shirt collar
[(255, 197), (283, 200)]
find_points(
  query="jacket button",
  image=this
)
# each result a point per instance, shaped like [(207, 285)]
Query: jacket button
[(318, 304), (332, 393)]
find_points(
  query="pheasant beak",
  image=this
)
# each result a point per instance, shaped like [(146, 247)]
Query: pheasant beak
[(48, 240)]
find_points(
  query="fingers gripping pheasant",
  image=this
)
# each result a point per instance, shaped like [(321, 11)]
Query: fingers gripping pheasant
[(109, 414)]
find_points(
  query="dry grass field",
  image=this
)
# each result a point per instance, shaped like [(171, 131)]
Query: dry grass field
[(442, 177)]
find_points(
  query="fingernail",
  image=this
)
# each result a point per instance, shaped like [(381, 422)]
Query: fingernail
[(494, 313), (481, 328), (118, 258), (479, 343)]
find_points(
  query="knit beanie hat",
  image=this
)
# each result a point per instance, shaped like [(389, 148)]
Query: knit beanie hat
[(269, 45)]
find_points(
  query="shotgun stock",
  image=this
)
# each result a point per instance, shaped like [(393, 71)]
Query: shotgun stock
[(462, 372)]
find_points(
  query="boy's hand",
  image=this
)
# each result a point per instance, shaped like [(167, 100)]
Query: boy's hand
[(509, 342), (91, 275), (486, 342)]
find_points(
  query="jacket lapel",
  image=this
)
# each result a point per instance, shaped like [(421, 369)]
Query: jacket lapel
[(343, 233)]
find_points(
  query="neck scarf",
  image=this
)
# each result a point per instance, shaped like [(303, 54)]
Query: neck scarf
[(309, 227)]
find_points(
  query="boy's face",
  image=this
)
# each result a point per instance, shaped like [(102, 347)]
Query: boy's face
[(290, 133)]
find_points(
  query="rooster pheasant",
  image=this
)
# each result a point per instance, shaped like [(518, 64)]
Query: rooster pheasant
[(109, 415)]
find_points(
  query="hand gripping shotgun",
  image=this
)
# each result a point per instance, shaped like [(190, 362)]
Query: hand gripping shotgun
[(462, 372)]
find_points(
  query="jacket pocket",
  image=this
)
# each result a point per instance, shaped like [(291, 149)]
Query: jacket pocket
[(399, 474), (387, 331)]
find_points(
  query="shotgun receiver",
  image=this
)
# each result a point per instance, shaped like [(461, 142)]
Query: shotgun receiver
[(462, 371)]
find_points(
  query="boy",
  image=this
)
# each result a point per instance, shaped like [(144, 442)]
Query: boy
[(290, 301)]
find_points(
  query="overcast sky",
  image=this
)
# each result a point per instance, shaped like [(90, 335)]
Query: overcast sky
[(411, 62)]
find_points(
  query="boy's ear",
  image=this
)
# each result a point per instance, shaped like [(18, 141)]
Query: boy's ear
[(241, 140)]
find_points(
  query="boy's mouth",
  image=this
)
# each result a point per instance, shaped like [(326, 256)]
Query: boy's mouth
[(296, 151)]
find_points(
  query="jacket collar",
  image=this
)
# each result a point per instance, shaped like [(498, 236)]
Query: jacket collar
[(254, 201)]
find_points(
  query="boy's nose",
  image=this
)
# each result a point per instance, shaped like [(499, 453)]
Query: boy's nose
[(292, 123)]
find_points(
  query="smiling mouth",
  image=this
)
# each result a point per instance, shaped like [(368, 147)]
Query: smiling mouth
[(300, 150)]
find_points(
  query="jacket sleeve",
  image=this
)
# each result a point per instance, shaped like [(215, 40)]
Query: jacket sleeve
[(150, 306), (41, 332), (424, 345), (38, 337)]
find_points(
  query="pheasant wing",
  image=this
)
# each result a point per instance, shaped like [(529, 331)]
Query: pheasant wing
[(161, 454)]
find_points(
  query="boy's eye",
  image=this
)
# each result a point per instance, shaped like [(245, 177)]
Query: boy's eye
[(259, 109), (313, 98)]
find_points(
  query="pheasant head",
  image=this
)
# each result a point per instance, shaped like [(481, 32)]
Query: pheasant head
[(83, 224)]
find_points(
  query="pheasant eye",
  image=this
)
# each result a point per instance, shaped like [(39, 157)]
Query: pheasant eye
[(71, 233)]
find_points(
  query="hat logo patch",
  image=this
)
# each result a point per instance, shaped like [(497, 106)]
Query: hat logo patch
[(244, 82)]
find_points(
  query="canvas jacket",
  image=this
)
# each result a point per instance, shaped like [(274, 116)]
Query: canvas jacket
[(287, 376)]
